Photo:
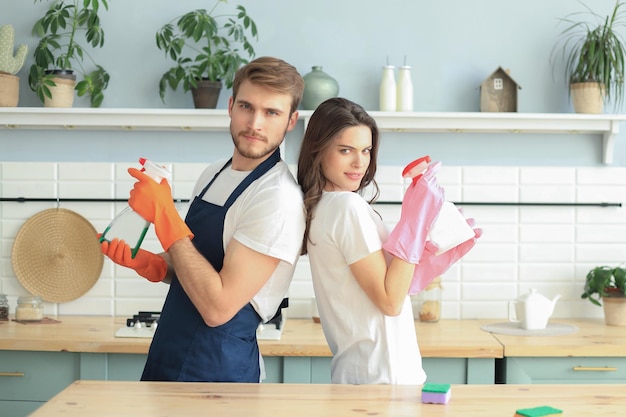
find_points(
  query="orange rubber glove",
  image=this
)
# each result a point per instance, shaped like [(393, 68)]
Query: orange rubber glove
[(147, 264), (153, 201)]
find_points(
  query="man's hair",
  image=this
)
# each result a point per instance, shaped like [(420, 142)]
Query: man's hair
[(275, 74)]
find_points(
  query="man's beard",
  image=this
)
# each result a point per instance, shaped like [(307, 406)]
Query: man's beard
[(251, 154)]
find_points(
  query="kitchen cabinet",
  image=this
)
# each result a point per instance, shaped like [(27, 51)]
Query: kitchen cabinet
[(604, 125), (28, 379), (576, 370), (596, 353)]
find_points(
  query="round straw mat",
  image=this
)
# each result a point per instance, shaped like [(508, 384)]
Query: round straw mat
[(56, 255)]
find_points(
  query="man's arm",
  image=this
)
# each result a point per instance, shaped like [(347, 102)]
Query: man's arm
[(219, 296)]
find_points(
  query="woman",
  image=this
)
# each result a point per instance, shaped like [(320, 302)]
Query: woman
[(361, 291)]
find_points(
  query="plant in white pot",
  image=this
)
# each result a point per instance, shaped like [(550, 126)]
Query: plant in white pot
[(594, 51), (59, 55), (207, 48), (606, 286), (10, 65)]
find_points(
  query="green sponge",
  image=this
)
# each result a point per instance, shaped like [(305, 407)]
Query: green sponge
[(544, 410)]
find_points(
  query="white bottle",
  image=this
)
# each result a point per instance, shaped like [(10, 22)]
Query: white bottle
[(405, 89), (128, 225), (387, 99)]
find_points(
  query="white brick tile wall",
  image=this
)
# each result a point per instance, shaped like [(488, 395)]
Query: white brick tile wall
[(544, 247)]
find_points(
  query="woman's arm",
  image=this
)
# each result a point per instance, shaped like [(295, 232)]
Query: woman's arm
[(386, 286)]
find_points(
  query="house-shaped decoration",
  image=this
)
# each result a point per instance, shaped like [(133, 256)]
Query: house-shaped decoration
[(498, 93)]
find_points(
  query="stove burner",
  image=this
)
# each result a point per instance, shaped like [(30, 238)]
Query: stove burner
[(144, 318)]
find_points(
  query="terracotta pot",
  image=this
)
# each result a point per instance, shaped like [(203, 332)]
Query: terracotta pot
[(588, 98), (206, 94), (9, 90), (614, 311)]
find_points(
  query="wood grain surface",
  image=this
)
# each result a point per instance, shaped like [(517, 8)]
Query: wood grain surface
[(593, 338), (301, 337), (143, 399)]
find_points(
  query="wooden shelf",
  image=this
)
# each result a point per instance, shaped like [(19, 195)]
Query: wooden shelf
[(605, 125)]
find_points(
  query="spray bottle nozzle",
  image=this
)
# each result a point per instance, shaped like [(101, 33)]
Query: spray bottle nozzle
[(154, 171), (416, 168)]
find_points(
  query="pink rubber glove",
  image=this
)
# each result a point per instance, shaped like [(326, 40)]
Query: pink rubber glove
[(420, 207), (153, 201), (147, 264), (431, 265)]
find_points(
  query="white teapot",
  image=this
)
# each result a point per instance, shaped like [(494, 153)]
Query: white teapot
[(532, 310)]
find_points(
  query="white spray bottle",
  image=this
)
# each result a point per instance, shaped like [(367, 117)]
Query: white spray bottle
[(450, 228), (128, 225)]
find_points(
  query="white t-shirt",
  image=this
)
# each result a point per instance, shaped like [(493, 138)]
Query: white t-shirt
[(268, 217), (368, 347)]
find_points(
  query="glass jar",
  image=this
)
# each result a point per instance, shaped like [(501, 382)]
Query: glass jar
[(29, 308), (429, 302), (4, 307)]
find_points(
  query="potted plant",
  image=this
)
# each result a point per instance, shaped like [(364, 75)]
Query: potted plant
[(608, 285), (59, 54), (594, 53), (206, 49), (9, 66)]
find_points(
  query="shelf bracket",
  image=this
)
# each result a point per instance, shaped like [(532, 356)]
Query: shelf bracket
[(608, 142)]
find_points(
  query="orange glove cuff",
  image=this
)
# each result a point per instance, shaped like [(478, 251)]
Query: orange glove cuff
[(170, 228)]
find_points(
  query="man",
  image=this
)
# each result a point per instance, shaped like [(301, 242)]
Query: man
[(231, 261)]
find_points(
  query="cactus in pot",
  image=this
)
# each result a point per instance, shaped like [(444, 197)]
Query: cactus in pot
[(10, 64)]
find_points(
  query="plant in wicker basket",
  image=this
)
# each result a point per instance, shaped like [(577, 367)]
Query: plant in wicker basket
[(59, 49), (594, 51)]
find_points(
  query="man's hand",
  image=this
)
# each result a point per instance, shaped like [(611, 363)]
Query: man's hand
[(153, 201), (147, 264)]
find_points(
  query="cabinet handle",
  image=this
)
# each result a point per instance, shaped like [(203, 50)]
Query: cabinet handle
[(595, 368), (11, 373)]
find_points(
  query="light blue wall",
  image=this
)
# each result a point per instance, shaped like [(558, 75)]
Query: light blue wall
[(452, 45)]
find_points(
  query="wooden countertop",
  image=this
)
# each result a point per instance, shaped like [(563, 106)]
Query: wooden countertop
[(181, 399), (593, 338), (301, 337)]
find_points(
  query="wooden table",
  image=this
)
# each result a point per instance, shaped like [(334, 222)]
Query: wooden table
[(162, 399)]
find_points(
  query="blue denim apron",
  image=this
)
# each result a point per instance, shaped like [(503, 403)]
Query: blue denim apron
[(184, 348)]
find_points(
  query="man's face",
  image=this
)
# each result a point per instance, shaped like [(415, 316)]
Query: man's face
[(259, 121)]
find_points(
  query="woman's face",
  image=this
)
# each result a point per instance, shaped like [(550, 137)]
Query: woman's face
[(347, 159)]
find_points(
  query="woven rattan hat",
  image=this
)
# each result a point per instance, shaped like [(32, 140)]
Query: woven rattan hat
[(56, 255)]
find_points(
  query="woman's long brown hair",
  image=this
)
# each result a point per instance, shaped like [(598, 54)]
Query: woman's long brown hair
[(328, 120)]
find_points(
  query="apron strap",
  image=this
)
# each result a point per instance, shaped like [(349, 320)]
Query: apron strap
[(253, 176)]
